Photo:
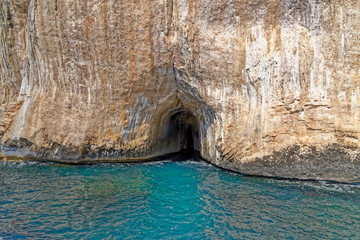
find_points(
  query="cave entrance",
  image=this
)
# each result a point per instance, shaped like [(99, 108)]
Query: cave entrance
[(184, 130)]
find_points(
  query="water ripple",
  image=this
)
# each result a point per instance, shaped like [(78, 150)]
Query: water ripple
[(169, 200)]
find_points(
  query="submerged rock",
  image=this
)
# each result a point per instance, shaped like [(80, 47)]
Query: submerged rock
[(260, 87)]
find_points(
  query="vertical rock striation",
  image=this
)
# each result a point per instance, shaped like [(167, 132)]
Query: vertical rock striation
[(269, 87)]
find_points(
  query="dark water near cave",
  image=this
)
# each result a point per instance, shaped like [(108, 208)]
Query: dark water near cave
[(169, 200)]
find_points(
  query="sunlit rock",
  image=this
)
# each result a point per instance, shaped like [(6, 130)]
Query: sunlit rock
[(260, 87)]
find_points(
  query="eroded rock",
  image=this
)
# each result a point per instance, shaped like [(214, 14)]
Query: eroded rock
[(265, 81)]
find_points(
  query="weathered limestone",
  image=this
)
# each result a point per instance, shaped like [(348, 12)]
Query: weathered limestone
[(269, 87)]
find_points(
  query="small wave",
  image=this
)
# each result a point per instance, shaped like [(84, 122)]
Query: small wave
[(196, 162), (18, 163), (336, 187), (156, 163), (325, 185)]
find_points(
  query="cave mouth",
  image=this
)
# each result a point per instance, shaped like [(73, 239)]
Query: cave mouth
[(183, 130)]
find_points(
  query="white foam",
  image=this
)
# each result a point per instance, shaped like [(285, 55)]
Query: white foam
[(325, 185)]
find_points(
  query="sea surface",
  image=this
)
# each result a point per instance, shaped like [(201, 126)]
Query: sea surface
[(169, 200)]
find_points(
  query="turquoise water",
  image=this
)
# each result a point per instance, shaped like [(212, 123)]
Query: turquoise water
[(169, 200)]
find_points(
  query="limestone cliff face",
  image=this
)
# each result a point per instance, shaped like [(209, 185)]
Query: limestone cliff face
[(267, 87)]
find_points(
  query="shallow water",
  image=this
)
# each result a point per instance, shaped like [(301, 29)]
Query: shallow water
[(169, 200)]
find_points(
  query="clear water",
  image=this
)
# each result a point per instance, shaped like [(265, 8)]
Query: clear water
[(169, 200)]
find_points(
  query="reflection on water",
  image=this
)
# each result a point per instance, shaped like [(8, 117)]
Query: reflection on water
[(167, 199)]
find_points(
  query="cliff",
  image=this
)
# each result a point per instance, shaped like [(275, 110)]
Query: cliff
[(264, 87)]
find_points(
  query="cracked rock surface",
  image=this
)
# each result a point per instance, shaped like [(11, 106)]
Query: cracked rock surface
[(267, 87)]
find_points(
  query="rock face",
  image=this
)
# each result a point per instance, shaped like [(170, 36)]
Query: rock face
[(264, 87)]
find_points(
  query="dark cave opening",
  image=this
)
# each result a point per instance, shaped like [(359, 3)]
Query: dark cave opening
[(183, 129)]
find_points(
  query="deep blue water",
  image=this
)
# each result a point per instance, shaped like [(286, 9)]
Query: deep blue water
[(169, 200)]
